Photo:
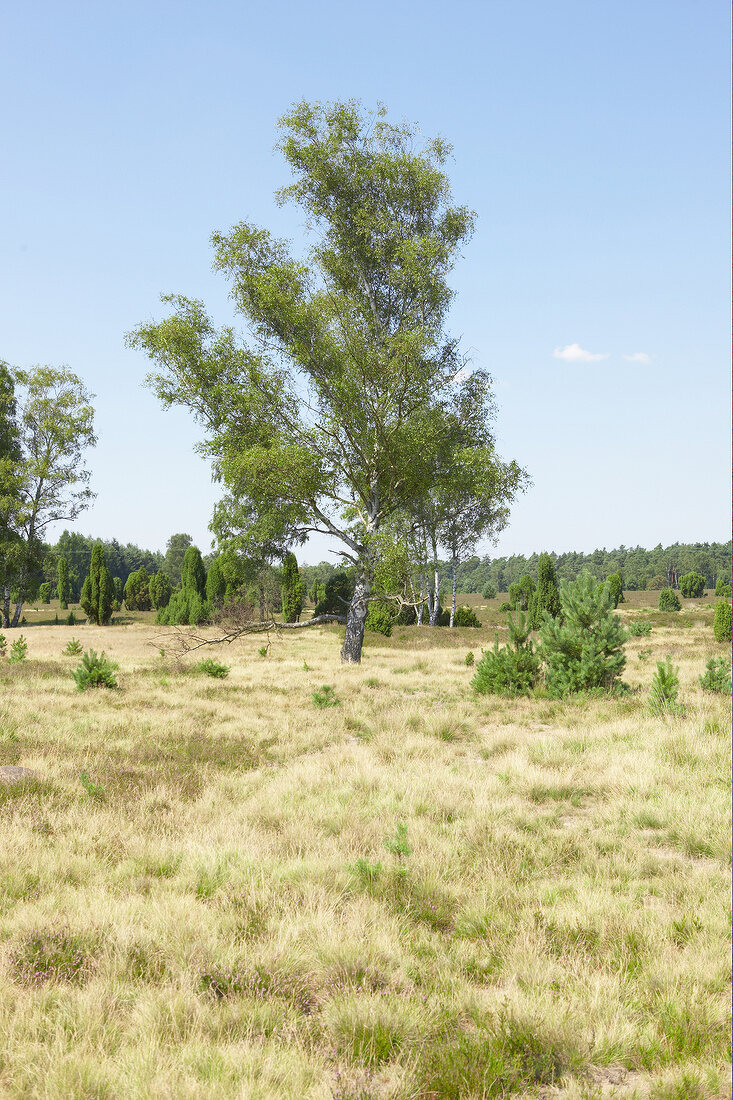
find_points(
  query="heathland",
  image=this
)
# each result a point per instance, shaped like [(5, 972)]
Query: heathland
[(310, 880)]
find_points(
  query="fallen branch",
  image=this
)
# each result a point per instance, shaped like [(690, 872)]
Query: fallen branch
[(187, 642)]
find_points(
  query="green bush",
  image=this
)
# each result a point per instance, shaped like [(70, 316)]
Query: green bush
[(489, 592), (465, 617), (160, 590), (18, 650), (546, 598), (98, 591), (407, 615), (723, 587), (185, 608), (658, 581), (663, 692), (293, 589), (469, 658), (210, 667), (380, 618), (512, 669), (72, 649), (96, 671), (63, 586), (692, 585), (668, 600), (505, 606), (722, 621), (137, 591), (337, 594), (639, 629), (584, 650), (3, 644), (326, 697), (70, 619), (44, 592), (717, 676), (615, 586)]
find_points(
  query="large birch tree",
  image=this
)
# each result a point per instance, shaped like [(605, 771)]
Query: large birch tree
[(333, 416)]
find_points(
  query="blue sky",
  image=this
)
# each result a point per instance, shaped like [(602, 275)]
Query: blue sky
[(592, 140)]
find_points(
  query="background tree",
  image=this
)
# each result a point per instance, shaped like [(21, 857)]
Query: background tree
[(10, 487), (692, 585), (188, 605), (335, 416), (97, 594), (56, 425), (615, 585), (137, 591), (160, 590), (546, 599), (44, 592), (293, 589), (63, 586), (175, 550), (119, 592)]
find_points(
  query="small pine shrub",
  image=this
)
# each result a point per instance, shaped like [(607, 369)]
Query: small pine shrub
[(18, 650), (664, 689), (326, 697), (71, 619), (397, 844), (639, 630), (722, 621), (583, 651), (210, 667), (94, 790), (96, 671), (72, 649), (465, 617), (668, 600), (469, 658), (717, 677), (512, 669)]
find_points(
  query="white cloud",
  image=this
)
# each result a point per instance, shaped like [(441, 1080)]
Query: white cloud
[(638, 357), (573, 353)]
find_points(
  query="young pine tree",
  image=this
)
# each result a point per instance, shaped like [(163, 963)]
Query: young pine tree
[(97, 594), (584, 650), (292, 589), (547, 596), (63, 586)]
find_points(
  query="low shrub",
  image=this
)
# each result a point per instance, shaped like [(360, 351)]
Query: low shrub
[(326, 697), (639, 630), (489, 592), (72, 648), (43, 956), (583, 651), (464, 616), (210, 667), (692, 585), (722, 621), (505, 606), (18, 650), (95, 670), (3, 645), (664, 689), (512, 669), (380, 618), (723, 587), (71, 619), (469, 658), (717, 676), (668, 600)]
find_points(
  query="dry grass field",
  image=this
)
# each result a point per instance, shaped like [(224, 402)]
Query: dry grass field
[(219, 888)]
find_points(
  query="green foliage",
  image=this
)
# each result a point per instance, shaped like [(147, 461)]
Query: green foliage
[(210, 667), (639, 629), (489, 591), (717, 676), (176, 548), (18, 650), (469, 658), (160, 590), (668, 600), (63, 585), (137, 591), (512, 669), (293, 589), (193, 573), (722, 621), (59, 956), (397, 845), (381, 617), (723, 587), (94, 790), (97, 594), (657, 582), (505, 606), (326, 697), (515, 594), (72, 648), (615, 586), (546, 598), (584, 650), (44, 592), (185, 608), (465, 616), (70, 619), (692, 585), (3, 645), (119, 593), (664, 689), (95, 670), (338, 591)]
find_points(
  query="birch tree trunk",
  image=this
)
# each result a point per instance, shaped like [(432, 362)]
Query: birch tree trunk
[(355, 617), (422, 599), (454, 571), (6, 605)]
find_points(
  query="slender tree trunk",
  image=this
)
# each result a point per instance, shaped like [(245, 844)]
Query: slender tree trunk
[(21, 599), (435, 603), (262, 603), (355, 616), (454, 571), (6, 605)]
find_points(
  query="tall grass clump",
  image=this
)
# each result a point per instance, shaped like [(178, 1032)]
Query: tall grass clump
[(512, 669)]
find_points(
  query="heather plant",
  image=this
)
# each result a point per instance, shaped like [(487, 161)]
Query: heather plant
[(664, 690), (512, 669), (717, 677), (18, 650), (692, 585), (95, 671), (44, 956), (668, 600), (585, 650), (722, 621)]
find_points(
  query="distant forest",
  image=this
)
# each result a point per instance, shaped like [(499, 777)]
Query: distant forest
[(639, 568)]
